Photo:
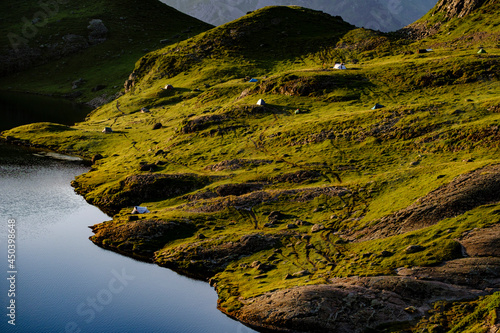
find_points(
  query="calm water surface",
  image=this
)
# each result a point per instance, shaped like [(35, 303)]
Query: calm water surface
[(64, 283)]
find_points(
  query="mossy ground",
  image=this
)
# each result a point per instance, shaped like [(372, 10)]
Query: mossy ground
[(440, 120)]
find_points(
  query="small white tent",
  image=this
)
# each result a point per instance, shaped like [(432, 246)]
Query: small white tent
[(339, 66), (261, 102), (140, 210)]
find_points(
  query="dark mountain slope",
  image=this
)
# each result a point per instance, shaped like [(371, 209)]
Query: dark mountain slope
[(45, 46), (263, 38)]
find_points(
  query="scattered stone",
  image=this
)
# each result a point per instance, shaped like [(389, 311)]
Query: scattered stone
[(301, 273), (264, 268), (272, 257), (148, 167), (386, 254), (77, 83), (98, 31), (255, 264), (309, 246), (414, 163), (107, 130), (133, 217), (317, 228), (96, 158), (287, 277), (261, 276), (157, 126), (201, 236), (291, 226), (306, 237), (98, 87), (457, 112), (414, 249), (302, 223), (274, 216)]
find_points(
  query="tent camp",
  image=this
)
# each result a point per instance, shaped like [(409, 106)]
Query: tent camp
[(261, 102), (339, 66), (377, 106), (107, 130), (140, 210), (168, 87), (481, 50), (253, 80)]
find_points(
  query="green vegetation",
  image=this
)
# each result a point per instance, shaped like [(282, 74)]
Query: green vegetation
[(276, 196)]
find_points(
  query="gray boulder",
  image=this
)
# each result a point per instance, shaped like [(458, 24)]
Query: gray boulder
[(98, 31)]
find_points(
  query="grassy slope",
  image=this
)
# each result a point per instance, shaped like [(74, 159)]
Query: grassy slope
[(108, 63), (439, 121)]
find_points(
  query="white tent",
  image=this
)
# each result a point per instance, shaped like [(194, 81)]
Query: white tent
[(339, 66), (261, 102), (140, 210)]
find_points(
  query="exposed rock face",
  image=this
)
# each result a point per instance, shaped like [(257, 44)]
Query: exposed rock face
[(482, 242), (451, 9), (141, 188), (130, 82), (205, 259), (247, 201), (478, 273), (459, 8), (141, 237), (348, 305), (464, 193)]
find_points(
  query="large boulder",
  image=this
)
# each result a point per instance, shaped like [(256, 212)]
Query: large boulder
[(98, 31)]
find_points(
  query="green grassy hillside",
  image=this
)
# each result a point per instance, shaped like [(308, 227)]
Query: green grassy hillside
[(37, 55), (314, 188)]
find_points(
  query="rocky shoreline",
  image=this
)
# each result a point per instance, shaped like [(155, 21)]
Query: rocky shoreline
[(351, 304)]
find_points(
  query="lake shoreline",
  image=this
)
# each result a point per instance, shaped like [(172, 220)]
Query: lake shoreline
[(130, 269), (255, 312)]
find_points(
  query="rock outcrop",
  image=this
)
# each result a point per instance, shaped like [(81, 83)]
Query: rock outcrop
[(98, 31), (348, 305), (464, 193), (459, 8)]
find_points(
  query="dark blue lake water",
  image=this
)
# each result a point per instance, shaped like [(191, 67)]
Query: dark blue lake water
[(64, 283)]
